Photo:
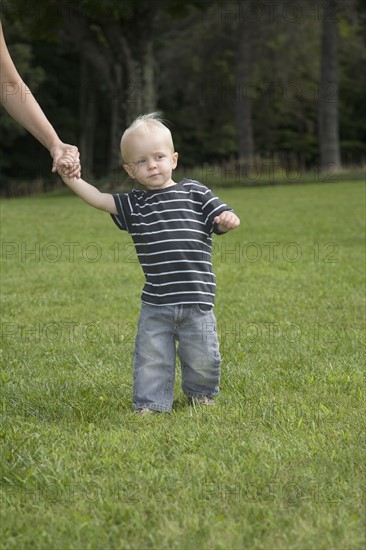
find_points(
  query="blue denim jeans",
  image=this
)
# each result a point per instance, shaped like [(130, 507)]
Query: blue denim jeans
[(159, 329)]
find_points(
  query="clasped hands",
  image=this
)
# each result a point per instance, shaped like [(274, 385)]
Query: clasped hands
[(66, 160)]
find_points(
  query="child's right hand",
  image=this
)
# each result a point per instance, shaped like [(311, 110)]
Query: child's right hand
[(68, 165), (67, 159)]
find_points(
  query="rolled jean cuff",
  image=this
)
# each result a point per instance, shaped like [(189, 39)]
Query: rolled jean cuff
[(153, 406), (205, 394)]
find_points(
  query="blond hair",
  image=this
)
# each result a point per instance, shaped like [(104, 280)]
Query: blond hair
[(145, 124)]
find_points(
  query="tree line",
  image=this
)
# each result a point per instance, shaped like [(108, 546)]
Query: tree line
[(248, 82)]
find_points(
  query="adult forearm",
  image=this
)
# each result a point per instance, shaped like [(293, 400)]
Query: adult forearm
[(20, 103)]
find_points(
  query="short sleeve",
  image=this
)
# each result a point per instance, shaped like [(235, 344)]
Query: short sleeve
[(212, 206), (124, 210)]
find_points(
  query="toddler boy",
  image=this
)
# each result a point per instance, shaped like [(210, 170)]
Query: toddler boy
[(171, 225)]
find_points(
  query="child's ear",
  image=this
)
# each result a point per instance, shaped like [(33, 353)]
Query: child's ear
[(175, 160), (130, 169)]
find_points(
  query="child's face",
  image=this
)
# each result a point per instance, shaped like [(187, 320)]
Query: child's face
[(150, 158)]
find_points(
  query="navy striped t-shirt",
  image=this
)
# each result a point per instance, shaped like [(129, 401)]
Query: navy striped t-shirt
[(171, 229)]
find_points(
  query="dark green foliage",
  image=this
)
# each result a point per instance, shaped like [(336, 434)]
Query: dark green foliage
[(195, 48)]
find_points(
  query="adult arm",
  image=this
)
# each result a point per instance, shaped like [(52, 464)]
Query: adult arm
[(20, 103)]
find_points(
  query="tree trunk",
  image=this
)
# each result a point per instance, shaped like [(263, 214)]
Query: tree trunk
[(117, 119), (140, 81), (329, 151), (149, 77), (120, 52), (133, 78), (87, 119), (243, 102)]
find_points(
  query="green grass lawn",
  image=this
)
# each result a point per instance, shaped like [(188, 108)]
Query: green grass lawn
[(277, 464)]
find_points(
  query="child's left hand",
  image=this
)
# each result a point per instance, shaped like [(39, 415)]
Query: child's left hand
[(226, 221)]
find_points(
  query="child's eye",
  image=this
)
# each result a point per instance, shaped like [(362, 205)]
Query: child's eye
[(159, 157), (140, 162)]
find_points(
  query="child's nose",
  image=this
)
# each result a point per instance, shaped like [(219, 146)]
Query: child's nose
[(151, 163)]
